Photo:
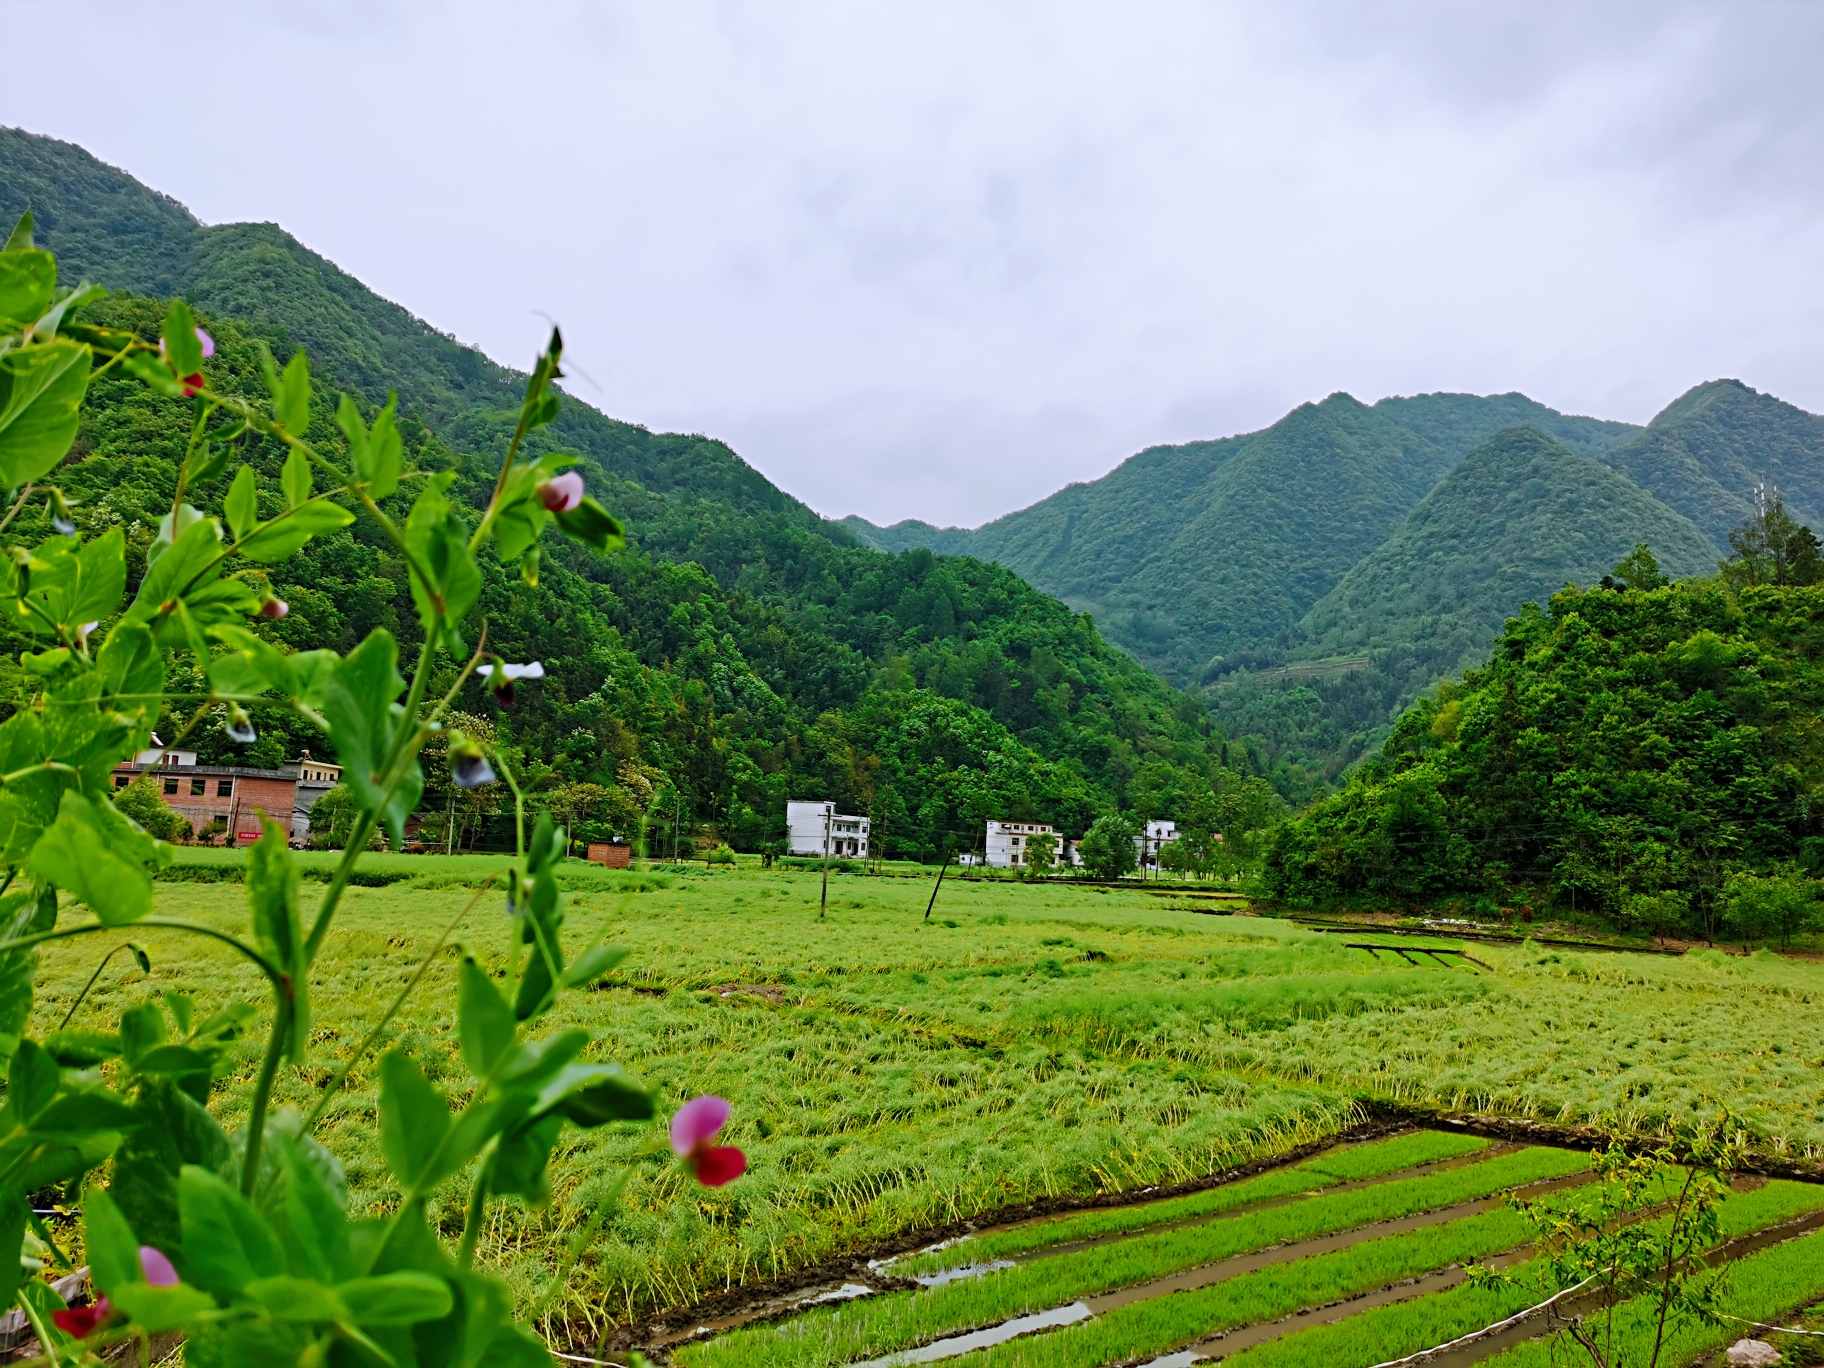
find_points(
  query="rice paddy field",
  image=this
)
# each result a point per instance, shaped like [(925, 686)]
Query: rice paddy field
[(894, 1076)]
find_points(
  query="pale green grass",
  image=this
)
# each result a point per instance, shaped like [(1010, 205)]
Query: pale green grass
[(1028, 1041)]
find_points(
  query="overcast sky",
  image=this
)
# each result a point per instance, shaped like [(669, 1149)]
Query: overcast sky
[(936, 260)]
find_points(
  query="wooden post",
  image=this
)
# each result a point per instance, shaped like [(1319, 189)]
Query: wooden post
[(824, 905), (939, 884)]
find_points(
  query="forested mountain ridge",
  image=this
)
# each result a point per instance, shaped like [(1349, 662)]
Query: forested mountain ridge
[(745, 651), (1199, 555), (1515, 521), (1707, 450)]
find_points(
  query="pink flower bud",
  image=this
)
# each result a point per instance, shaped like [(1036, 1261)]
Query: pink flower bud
[(207, 341), (693, 1139), (561, 493), (274, 608), (157, 1268)]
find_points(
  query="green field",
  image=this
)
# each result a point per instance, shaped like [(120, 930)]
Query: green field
[(891, 1074)]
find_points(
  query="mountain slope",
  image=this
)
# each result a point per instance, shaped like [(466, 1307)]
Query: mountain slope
[(684, 497), (1516, 520), (1216, 549), (1704, 454), (930, 691)]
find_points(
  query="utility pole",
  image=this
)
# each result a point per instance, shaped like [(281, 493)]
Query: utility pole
[(939, 884), (824, 905)]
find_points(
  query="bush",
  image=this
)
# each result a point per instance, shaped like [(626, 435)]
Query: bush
[(141, 801), (1759, 907)]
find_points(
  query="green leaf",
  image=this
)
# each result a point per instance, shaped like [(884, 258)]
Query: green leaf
[(593, 525), (157, 1309), (610, 1098), (272, 896), (41, 389), (227, 1244), (439, 541), (82, 1049), (75, 584), (290, 392), (28, 279), (241, 507), (375, 455), (385, 452), (518, 1165), (183, 349), (414, 1123), (403, 1298), (487, 1022), (173, 1129), (99, 855), (358, 705), (296, 1299), (20, 239), (152, 372), (592, 964), (209, 460), (285, 534), (315, 1229), (31, 1083), (294, 479), (109, 1242), (83, 1110)]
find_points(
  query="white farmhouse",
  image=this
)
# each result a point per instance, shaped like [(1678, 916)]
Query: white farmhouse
[(809, 825), (1151, 839), (1006, 842)]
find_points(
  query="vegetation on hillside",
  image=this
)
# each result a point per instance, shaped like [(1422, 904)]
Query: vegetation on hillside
[(930, 692), (1623, 752)]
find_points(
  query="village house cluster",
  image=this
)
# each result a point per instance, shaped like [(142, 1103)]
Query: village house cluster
[(816, 829)]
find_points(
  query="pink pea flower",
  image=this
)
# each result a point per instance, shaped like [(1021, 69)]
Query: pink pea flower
[(693, 1139), (274, 607), (157, 1268), (207, 341), (561, 493)]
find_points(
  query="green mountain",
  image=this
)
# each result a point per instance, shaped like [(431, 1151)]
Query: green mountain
[(745, 650), (1712, 445), (1199, 555), (1515, 521)]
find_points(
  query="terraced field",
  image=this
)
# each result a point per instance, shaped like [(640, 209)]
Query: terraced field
[(1352, 1258)]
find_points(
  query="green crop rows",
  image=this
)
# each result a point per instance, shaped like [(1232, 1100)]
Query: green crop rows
[(903, 1319), (1348, 1165)]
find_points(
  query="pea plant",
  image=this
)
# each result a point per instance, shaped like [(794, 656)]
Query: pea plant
[(243, 1242)]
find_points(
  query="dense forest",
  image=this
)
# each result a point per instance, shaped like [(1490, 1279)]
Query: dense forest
[(1628, 751)]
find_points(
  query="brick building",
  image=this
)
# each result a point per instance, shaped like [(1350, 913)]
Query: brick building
[(233, 794)]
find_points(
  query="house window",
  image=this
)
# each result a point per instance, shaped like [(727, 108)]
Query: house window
[(121, 781), (171, 787), (198, 787), (224, 788)]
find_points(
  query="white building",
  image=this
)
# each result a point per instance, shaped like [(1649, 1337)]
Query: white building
[(1006, 843), (1148, 843), (809, 825), (158, 755)]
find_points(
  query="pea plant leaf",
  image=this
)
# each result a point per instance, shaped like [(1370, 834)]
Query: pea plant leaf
[(486, 1020), (376, 453), (99, 855), (41, 389), (358, 698)]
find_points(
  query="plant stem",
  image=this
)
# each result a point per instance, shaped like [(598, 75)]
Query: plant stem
[(69, 1015), (471, 1224), (334, 1085), (262, 1094)]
